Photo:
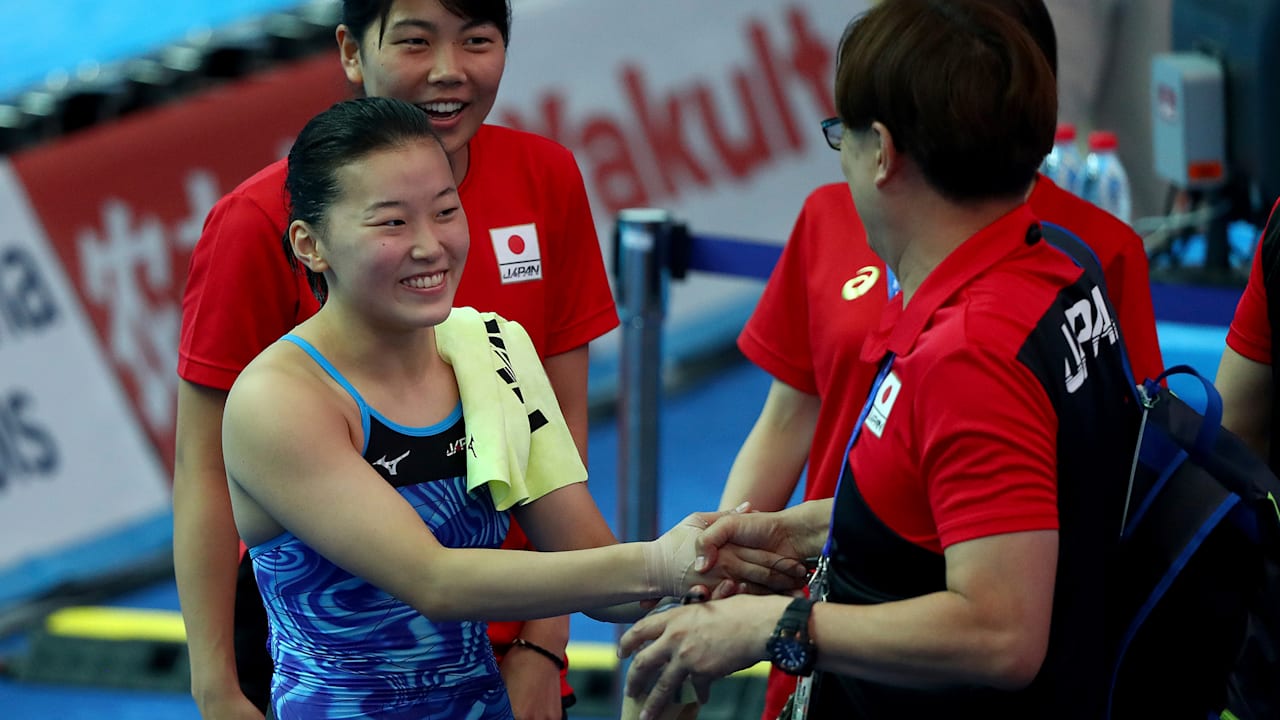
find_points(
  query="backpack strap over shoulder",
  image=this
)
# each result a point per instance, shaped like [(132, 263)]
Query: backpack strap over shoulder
[(1083, 256)]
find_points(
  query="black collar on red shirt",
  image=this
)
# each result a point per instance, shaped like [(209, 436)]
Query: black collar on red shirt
[(899, 327)]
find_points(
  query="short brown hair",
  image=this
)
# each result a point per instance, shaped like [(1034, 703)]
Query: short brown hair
[(1035, 17), (963, 89)]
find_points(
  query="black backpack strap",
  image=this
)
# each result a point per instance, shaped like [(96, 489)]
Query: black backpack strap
[(1083, 256), (1077, 249)]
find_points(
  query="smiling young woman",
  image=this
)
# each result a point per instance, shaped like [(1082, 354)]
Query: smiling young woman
[(375, 453), (447, 57)]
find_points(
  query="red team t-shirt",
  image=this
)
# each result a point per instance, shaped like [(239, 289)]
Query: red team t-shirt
[(966, 457), (827, 293), (534, 258), (824, 296), (1250, 331), (976, 432)]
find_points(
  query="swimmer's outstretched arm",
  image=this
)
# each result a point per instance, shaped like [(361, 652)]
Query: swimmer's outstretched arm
[(291, 465)]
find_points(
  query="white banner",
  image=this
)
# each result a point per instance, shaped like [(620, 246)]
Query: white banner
[(709, 109), (74, 463)]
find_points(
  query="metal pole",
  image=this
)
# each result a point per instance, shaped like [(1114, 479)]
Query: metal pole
[(642, 290), (642, 299)]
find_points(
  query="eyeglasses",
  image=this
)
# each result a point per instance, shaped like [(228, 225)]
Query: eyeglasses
[(833, 131)]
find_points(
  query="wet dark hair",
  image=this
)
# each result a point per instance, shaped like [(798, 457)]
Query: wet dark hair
[(339, 136), (963, 89), (358, 15)]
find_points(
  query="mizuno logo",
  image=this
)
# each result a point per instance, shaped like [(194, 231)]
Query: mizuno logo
[(390, 465), (1087, 324)]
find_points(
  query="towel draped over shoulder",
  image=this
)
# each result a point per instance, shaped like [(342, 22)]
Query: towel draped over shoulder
[(518, 442)]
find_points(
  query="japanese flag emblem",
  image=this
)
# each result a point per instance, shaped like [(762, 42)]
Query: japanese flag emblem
[(882, 405), (519, 256)]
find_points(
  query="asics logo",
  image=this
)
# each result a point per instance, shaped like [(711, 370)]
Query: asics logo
[(390, 465), (858, 285)]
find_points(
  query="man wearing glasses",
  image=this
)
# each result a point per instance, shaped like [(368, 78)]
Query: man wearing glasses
[(824, 297), (905, 654)]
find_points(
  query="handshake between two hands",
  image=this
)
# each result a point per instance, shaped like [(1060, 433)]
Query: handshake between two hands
[(735, 572), (714, 555)]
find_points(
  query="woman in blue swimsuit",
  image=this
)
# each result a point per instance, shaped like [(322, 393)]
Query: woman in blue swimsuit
[(372, 494)]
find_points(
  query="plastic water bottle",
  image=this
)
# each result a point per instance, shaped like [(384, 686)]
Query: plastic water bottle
[(1106, 184), (1064, 165)]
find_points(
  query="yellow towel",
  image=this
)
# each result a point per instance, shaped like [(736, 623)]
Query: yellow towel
[(521, 446)]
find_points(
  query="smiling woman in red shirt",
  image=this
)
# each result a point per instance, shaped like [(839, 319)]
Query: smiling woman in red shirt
[(534, 258)]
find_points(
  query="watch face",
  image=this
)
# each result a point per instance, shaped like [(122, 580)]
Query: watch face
[(789, 655), (792, 656), (789, 647)]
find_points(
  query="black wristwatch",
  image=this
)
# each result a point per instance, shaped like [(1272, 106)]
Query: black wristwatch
[(790, 649)]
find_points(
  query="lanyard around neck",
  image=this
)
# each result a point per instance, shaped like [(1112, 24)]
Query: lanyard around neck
[(885, 366), (891, 282)]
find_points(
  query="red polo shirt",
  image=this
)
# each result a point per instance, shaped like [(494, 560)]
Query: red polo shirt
[(966, 447), (1250, 332)]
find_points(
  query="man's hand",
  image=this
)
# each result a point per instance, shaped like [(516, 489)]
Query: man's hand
[(759, 553), (533, 684), (699, 642), (676, 565)]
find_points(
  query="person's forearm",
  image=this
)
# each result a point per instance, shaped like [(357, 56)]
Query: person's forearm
[(205, 559), (763, 481), (1245, 386), (989, 627), (622, 613), (205, 543), (808, 524), (548, 633), (931, 641), (567, 374), (768, 465), (471, 584)]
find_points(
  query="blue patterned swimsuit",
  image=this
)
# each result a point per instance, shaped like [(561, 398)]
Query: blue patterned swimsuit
[(345, 649)]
